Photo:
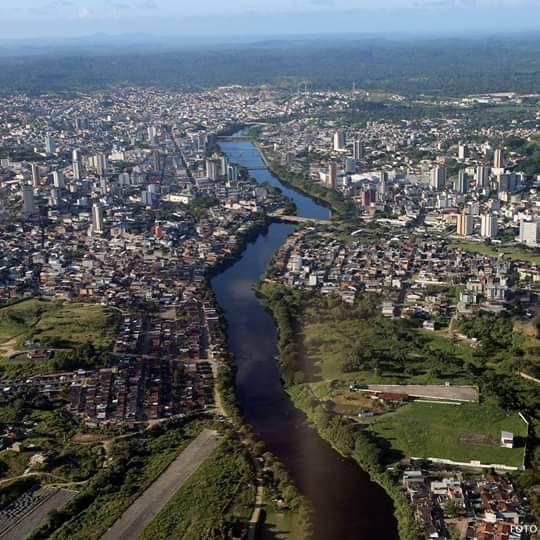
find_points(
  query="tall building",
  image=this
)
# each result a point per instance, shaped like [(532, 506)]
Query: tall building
[(498, 159), (35, 175), (58, 180), (77, 170), (28, 199), (50, 145), (462, 151), (212, 169), (438, 178), (97, 218), (462, 182), (465, 224), (156, 160), (339, 140), (232, 172), (482, 177), (101, 164), (152, 134), (332, 176), (223, 165), (350, 165), (76, 160), (529, 232), (358, 151), (488, 226)]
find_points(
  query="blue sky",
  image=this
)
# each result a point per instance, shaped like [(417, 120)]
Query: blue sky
[(71, 18)]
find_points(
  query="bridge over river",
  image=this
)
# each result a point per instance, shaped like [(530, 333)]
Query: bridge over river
[(297, 219)]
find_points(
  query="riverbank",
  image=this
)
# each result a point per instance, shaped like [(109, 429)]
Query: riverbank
[(346, 440), (341, 209)]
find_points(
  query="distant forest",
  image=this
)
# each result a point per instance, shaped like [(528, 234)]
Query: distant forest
[(435, 66)]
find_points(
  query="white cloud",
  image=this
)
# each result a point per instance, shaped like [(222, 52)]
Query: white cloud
[(84, 13)]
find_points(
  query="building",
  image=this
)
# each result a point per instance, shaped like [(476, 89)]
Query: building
[(488, 226), (97, 218), (28, 199), (482, 177), (350, 165), (50, 145), (77, 170), (462, 152), (156, 160), (358, 151), (438, 178), (529, 232), (332, 176), (498, 159), (58, 179), (462, 182), (100, 164), (507, 439), (35, 174), (339, 140), (212, 169), (464, 224)]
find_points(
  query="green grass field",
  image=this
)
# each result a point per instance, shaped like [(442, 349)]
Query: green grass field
[(514, 253), (53, 321), (457, 432), (328, 344), (282, 526)]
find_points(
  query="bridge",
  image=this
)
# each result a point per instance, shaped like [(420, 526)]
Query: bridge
[(297, 219)]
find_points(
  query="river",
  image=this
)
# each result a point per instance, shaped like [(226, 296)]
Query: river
[(347, 504)]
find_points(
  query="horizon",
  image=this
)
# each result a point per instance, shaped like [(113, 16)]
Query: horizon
[(74, 19)]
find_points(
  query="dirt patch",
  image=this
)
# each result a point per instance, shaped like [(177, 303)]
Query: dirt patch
[(354, 403), (527, 328), (85, 438), (479, 439), (8, 348)]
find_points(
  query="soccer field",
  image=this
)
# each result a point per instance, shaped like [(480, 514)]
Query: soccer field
[(458, 432)]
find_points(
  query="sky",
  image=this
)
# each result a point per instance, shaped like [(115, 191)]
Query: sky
[(77, 18)]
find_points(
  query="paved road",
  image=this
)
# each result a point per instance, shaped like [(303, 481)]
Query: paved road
[(36, 516), (147, 506), (434, 391)]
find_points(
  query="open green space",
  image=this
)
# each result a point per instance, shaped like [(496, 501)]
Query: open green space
[(86, 328), (458, 432), (514, 253), (57, 324), (356, 343), (282, 526), (218, 498)]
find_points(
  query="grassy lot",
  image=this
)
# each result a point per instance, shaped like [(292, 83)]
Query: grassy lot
[(54, 324), (329, 345), (219, 493), (514, 253), (458, 432), (282, 526), (57, 323)]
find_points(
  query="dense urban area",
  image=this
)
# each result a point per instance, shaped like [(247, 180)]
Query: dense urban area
[(408, 323)]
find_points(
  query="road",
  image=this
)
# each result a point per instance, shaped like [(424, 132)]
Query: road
[(430, 391), (147, 506)]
